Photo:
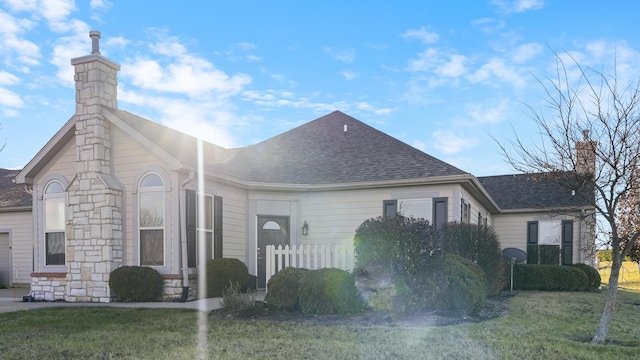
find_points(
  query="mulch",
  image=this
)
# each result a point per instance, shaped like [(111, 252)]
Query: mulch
[(495, 307)]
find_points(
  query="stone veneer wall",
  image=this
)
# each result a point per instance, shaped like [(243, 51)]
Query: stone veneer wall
[(48, 287)]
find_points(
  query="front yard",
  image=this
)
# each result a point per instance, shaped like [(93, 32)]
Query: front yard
[(537, 325)]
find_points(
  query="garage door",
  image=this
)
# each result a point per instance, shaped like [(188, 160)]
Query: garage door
[(5, 260)]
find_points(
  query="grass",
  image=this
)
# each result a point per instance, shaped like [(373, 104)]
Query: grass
[(539, 325), (629, 276)]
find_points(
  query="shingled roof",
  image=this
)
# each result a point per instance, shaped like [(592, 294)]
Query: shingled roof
[(12, 195), (522, 191), (332, 149)]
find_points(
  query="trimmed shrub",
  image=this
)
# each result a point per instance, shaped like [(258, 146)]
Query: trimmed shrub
[(283, 289), (408, 245), (549, 278), (480, 245), (136, 283), (223, 273), (329, 291), (465, 288), (592, 275)]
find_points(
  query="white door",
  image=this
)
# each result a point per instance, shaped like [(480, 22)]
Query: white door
[(5, 260)]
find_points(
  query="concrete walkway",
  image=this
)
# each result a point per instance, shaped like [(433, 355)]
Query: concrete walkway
[(11, 300)]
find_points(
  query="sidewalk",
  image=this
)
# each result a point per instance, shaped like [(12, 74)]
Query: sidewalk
[(11, 300)]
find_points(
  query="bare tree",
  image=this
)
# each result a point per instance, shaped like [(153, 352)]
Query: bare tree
[(593, 119)]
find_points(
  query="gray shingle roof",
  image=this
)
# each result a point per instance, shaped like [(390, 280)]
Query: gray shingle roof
[(12, 195), (527, 192), (321, 152)]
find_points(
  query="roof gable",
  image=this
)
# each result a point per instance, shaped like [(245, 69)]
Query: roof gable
[(335, 148)]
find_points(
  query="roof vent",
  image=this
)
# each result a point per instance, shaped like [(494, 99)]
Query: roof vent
[(345, 127)]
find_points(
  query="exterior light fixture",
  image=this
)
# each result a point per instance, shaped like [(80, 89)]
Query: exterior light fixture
[(305, 228)]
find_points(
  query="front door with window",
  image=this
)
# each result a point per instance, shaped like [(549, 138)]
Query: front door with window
[(272, 230)]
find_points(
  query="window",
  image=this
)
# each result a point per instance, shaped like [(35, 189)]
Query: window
[(465, 212), (550, 242), (151, 220), (54, 223), (432, 209), (482, 219), (210, 226)]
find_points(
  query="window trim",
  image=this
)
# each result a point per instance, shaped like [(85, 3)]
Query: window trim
[(58, 196), (163, 193), (41, 223)]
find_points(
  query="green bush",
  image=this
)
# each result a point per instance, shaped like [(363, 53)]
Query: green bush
[(136, 283), (465, 288), (408, 245), (607, 255), (329, 291), (592, 275), (223, 273), (283, 289), (549, 278), (480, 245)]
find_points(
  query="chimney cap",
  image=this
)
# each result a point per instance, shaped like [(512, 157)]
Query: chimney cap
[(95, 41), (585, 133)]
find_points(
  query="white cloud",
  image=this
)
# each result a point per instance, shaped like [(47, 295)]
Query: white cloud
[(421, 34), (99, 4), (17, 52), (8, 78), (438, 63), (10, 99), (488, 113), (349, 75), (182, 73), (449, 142), (500, 70), (243, 51), (518, 6), (346, 55), (526, 52)]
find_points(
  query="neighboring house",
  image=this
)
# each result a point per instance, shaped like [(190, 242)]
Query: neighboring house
[(112, 189), (16, 236)]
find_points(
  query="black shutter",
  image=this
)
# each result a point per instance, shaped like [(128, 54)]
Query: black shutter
[(389, 208), (532, 242), (567, 242), (217, 227), (190, 211)]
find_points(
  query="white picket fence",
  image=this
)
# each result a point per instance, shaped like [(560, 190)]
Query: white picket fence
[(308, 257)]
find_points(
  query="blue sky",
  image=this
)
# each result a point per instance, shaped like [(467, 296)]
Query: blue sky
[(447, 77)]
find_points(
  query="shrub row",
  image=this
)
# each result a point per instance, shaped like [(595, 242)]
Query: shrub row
[(549, 278), (324, 291), (224, 273)]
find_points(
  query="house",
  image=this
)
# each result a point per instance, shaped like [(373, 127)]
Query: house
[(16, 236), (112, 189)]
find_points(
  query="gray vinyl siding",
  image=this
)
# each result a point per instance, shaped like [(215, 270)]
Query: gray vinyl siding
[(18, 225)]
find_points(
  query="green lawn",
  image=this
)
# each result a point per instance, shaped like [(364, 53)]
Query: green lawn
[(540, 325)]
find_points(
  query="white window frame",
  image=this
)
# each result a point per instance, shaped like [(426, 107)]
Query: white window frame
[(465, 212), (46, 197), (160, 189)]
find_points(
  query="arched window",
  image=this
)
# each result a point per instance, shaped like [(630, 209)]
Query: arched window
[(151, 220), (54, 223)]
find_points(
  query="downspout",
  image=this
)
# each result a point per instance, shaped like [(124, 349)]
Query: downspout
[(183, 237)]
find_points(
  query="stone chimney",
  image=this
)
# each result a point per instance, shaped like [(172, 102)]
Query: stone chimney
[(94, 213), (586, 155)]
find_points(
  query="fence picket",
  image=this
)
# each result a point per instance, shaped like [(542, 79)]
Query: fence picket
[(309, 257)]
